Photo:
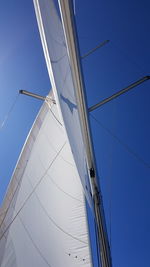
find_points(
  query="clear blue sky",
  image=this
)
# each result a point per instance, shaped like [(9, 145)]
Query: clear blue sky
[(121, 133)]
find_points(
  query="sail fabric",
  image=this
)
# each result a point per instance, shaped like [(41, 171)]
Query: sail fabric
[(63, 83), (43, 218)]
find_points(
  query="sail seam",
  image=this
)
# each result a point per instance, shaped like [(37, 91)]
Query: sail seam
[(56, 150), (55, 182), (24, 150), (33, 190), (63, 190), (50, 109), (56, 186), (59, 227), (34, 244)]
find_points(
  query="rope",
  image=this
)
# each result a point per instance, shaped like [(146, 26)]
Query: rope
[(129, 149), (128, 58), (9, 112)]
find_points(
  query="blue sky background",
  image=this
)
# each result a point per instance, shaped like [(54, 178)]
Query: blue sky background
[(121, 130)]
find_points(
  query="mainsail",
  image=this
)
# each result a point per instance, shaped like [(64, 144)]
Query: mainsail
[(60, 70), (59, 40), (43, 218)]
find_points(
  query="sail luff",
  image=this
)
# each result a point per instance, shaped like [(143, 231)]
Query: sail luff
[(18, 170)]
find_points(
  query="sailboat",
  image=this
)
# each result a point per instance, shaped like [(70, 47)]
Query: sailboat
[(43, 219)]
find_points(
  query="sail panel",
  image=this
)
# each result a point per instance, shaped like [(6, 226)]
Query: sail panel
[(61, 76), (43, 217)]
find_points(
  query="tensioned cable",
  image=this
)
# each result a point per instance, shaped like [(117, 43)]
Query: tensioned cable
[(33, 190), (97, 244), (74, 7), (9, 112), (128, 58), (123, 52), (110, 206), (110, 182), (130, 150)]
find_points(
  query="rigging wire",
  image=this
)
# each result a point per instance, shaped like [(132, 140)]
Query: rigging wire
[(110, 211), (110, 179), (9, 112), (128, 58), (74, 7), (97, 244), (126, 146)]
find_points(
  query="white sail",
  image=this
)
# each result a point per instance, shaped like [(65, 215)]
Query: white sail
[(64, 82), (43, 218)]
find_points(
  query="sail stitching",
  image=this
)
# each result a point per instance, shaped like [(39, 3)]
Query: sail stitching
[(56, 185), (55, 40), (34, 244), (63, 190), (56, 150), (54, 61), (59, 227), (10, 202), (19, 162), (63, 43), (50, 108), (33, 190)]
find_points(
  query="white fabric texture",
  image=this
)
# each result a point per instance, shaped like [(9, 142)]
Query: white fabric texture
[(43, 219), (60, 73)]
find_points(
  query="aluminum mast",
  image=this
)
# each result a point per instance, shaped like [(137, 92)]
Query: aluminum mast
[(66, 8)]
